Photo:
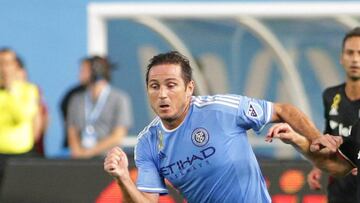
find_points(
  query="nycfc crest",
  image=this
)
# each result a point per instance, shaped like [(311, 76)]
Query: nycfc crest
[(200, 137)]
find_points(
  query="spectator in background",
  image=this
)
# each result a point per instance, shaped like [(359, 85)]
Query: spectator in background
[(18, 109), (342, 110), (42, 117), (84, 79), (99, 117)]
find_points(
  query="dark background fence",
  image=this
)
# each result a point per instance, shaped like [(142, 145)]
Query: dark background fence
[(36, 180)]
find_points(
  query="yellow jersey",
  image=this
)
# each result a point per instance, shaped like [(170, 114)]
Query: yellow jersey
[(18, 108)]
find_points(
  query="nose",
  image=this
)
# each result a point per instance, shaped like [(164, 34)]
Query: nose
[(356, 58), (163, 92)]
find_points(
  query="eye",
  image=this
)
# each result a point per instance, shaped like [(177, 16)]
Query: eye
[(349, 52), (154, 86), (171, 85)]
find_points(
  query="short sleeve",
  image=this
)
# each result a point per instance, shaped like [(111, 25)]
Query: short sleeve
[(149, 179), (254, 113)]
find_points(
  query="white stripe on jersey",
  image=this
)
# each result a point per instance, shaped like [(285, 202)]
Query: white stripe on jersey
[(227, 100), (269, 107), (143, 132), (146, 129), (152, 189), (215, 102), (229, 96)]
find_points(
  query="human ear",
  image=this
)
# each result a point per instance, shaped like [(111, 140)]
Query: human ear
[(190, 88)]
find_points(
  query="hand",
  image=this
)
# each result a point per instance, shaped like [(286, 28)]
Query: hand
[(283, 131), (116, 163), (313, 179), (326, 144)]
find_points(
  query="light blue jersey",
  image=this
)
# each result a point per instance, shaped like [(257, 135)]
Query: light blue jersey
[(208, 158)]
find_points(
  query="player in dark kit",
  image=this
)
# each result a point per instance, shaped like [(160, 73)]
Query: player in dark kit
[(342, 104), (341, 113), (334, 154)]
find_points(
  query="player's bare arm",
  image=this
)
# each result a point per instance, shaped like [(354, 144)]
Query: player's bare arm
[(322, 151), (296, 119), (116, 164)]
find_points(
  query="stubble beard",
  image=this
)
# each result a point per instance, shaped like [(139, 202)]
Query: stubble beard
[(173, 119), (354, 78)]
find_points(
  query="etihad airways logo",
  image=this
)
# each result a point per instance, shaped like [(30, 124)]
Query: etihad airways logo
[(192, 162)]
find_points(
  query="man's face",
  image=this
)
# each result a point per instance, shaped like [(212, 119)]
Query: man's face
[(350, 58), (8, 66), (167, 92), (85, 73)]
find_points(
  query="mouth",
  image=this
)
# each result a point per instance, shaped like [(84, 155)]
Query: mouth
[(164, 106), (354, 68)]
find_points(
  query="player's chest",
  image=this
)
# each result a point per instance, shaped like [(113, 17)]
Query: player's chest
[(342, 116), (190, 153)]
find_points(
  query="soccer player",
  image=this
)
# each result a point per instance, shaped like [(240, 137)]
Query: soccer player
[(342, 110), (198, 143), (334, 154)]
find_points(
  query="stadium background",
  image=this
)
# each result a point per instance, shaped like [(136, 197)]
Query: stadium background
[(287, 57)]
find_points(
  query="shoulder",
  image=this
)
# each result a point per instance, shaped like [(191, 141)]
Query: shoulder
[(27, 86), (148, 130), (75, 89), (220, 101), (331, 91), (77, 97), (27, 89)]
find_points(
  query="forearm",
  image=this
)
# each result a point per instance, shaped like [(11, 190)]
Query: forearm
[(302, 145), (296, 119), (131, 194), (332, 164)]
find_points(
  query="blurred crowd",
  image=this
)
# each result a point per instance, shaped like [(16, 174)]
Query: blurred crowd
[(96, 115)]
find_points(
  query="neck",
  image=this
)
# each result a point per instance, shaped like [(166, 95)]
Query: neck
[(352, 89), (7, 83), (171, 124), (97, 88)]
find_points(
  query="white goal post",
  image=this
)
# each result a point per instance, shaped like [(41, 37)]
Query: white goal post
[(248, 14)]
